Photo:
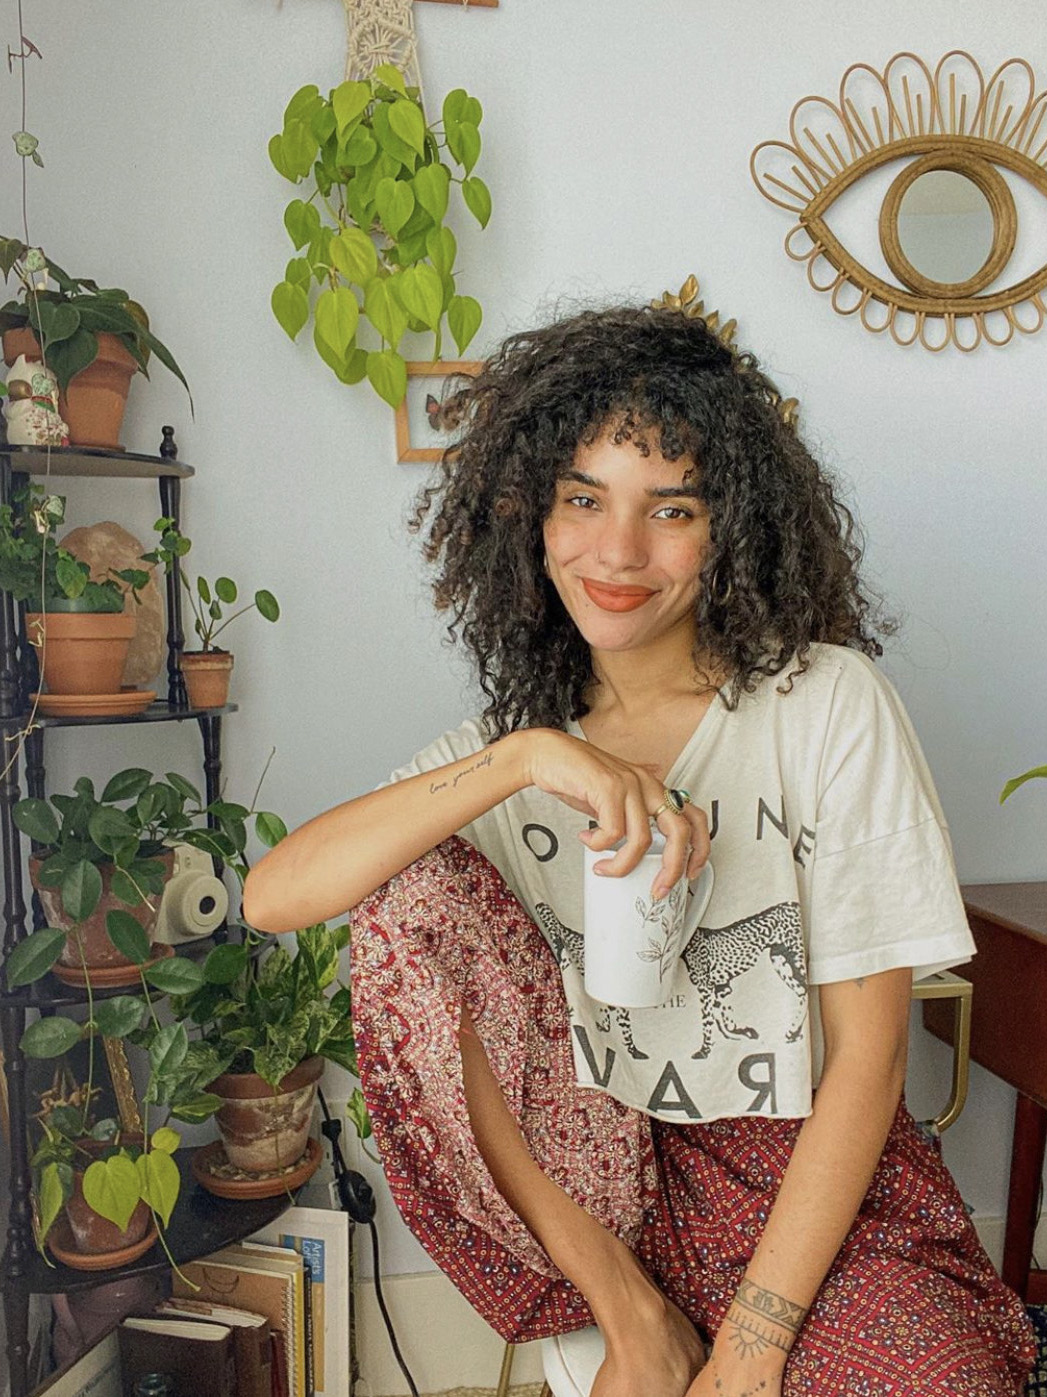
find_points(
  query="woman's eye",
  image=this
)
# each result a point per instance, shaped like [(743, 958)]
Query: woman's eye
[(582, 501), (953, 158), (674, 511)]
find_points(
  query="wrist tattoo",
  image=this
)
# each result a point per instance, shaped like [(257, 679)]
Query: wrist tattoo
[(486, 760), (759, 1319)]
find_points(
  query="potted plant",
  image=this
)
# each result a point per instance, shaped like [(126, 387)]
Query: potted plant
[(108, 1186), (80, 627), (93, 338), (370, 231), (207, 670), (100, 865), (263, 1034)]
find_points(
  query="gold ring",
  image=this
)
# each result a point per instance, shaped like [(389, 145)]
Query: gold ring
[(674, 799)]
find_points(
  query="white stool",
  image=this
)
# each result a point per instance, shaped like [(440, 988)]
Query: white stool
[(571, 1361)]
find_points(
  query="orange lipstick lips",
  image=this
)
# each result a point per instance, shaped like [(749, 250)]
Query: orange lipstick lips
[(609, 597)]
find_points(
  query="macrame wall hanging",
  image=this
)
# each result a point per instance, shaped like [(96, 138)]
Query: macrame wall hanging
[(382, 31)]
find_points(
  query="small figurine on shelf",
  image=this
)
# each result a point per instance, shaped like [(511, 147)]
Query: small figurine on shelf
[(31, 409)]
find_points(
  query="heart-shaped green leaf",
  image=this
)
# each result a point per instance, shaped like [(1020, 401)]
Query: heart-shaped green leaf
[(421, 294), (290, 306), (166, 1139), (442, 249), (387, 374), (301, 103), (52, 1196), (463, 141), (302, 222), (464, 316), (478, 199), (112, 1189), (337, 316), (348, 100), (32, 958), (278, 158), (431, 184), (353, 254), (407, 121), (385, 312), (394, 200), (159, 1181)]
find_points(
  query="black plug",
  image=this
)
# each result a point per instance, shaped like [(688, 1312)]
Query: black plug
[(354, 1192)]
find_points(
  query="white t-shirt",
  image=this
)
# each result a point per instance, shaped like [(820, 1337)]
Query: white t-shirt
[(832, 861)]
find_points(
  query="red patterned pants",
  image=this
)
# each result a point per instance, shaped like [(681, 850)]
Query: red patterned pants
[(911, 1306)]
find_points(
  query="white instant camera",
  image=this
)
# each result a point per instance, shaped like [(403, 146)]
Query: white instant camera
[(195, 902)]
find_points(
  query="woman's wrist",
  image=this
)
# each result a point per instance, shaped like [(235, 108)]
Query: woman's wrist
[(760, 1327)]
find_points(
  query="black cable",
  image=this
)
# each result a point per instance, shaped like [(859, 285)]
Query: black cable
[(357, 1199)]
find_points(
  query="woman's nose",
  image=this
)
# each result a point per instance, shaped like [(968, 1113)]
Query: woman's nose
[(621, 544)]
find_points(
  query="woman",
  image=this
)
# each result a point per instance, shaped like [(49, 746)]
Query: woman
[(660, 589)]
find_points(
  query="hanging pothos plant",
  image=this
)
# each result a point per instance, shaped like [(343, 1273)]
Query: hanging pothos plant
[(371, 233)]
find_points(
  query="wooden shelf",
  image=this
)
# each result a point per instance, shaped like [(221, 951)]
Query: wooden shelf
[(92, 461)]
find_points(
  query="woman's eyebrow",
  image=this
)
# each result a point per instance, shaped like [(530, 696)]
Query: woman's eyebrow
[(666, 492)]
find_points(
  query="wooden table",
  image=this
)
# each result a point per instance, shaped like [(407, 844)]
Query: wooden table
[(1009, 1039)]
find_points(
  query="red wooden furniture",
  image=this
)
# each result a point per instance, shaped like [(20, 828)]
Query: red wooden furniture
[(1009, 1039)]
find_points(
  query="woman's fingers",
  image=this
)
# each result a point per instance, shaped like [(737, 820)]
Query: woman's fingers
[(634, 826), (677, 831), (699, 839)]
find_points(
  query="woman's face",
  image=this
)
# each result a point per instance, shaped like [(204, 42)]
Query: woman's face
[(625, 541)]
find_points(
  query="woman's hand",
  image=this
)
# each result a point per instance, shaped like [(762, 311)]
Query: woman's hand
[(727, 1377), (621, 798)]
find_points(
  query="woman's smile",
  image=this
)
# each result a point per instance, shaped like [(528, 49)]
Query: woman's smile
[(609, 596)]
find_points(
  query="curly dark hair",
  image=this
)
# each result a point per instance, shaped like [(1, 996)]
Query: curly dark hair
[(782, 567)]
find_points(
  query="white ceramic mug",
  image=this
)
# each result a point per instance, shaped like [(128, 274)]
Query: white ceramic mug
[(632, 943)]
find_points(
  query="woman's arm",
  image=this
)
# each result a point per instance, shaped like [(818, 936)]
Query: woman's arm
[(332, 862), (865, 1025), (335, 860)]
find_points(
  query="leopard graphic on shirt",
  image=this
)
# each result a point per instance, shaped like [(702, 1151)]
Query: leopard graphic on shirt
[(715, 957), (832, 861)]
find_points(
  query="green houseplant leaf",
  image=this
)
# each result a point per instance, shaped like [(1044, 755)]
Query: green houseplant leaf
[(112, 1189), (50, 1037), (377, 191), (33, 958)]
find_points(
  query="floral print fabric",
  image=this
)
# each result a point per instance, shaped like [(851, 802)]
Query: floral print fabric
[(911, 1307)]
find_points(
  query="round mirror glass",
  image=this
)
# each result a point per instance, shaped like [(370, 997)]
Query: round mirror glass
[(945, 226)]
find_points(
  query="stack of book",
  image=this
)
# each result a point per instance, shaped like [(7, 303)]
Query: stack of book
[(268, 1317)]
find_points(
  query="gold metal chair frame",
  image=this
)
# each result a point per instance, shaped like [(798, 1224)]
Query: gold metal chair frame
[(942, 986), (952, 120)]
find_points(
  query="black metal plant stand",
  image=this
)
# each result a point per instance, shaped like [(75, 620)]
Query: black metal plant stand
[(201, 1222)]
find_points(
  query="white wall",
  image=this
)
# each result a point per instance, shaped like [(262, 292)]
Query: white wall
[(617, 138)]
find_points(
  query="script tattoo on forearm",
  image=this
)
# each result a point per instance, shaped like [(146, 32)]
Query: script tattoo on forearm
[(486, 760), (759, 1319)]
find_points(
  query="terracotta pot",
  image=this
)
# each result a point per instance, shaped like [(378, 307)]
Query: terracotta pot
[(94, 1235), (86, 650), (207, 674), (264, 1127), (94, 402), (99, 953)]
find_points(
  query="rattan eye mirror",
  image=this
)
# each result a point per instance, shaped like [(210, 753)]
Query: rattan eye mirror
[(949, 223)]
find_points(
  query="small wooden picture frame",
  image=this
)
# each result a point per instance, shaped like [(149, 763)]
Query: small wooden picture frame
[(416, 438)]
